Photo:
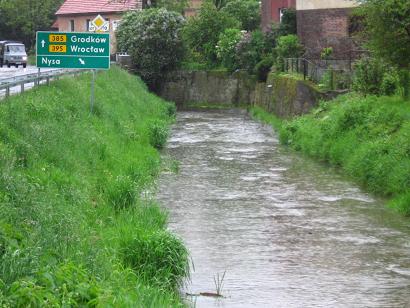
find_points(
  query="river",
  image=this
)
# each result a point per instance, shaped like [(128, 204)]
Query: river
[(287, 231)]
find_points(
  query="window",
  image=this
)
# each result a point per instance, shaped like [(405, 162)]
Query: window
[(115, 24), (72, 28), (281, 12), (87, 25)]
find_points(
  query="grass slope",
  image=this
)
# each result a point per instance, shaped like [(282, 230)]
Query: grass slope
[(75, 227), (368, 137)]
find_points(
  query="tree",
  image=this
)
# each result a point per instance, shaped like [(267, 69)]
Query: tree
[(20, 19), (288, 24), (387, 27), (288, 46), (245, 11), (153, 39), (171, 5), (202, 32), (250, 50), (226, 49)]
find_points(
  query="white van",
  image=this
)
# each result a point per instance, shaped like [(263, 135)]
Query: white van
[(12, 53)]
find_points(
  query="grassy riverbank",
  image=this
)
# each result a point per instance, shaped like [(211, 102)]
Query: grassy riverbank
[(77, 227), (368, 137)]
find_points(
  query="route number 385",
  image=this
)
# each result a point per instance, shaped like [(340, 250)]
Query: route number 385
[(55, 38)]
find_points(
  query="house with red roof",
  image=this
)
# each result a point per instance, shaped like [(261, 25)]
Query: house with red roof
[(76, 15)]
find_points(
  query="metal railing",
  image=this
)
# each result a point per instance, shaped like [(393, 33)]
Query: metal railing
[(331, 74), (17, 84)]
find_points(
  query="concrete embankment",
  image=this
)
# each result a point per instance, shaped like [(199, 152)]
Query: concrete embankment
[(283, 95)]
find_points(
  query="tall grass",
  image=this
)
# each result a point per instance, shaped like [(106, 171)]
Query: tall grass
[(74, 227), (369, 137)]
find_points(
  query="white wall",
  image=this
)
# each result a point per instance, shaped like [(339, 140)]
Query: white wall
[(324, 4)]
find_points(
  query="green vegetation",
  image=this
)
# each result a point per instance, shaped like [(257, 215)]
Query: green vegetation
[(20, 19), (368, 137), (77, 227), (387, 35), (31, 60), (247, 12), (226, 33), (171, 5), (152, 38), (201, 33)]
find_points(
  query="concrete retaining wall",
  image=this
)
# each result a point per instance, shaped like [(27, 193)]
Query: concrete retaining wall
[(282, 95)]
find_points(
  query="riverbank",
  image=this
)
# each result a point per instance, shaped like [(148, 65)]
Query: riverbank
[(77, 227), (368, 137)]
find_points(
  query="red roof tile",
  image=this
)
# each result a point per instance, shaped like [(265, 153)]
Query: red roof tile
[(55, 25), (70, 7)]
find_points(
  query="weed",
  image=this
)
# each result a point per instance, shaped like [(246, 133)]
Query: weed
[(219, 282), (367, 136), (70, 186)]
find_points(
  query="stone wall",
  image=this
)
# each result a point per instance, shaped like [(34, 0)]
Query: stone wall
[(284, 96), (208, 87)]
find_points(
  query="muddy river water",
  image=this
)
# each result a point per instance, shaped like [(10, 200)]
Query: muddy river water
[(286, 230)]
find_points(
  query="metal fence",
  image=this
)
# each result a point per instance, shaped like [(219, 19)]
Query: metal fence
[(331, 74), (19, 84)]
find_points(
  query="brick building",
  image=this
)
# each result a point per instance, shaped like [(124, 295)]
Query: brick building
[(325, 23), (271, 11), (75, 15)]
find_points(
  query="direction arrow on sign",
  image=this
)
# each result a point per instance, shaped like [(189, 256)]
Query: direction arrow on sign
[(73, 50)]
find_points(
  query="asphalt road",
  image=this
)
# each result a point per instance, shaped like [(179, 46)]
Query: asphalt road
[(13, 72), (6, 73)]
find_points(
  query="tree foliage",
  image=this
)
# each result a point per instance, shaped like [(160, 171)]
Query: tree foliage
[(288, 24), (288, 46), (153, 39), (388, 29), (171, 5), (20, 19), (202, 32), (226, 49), (245, 11)]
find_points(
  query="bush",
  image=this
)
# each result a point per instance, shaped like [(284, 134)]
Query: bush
[(122, 192), (157, 257), (288, 47), (153, 39), (263, 68), (158, 134), (373, 76), (250, 50), (247, 12), (368, 76), (202, 32), (226, 49), (288, 25), (390, 83)]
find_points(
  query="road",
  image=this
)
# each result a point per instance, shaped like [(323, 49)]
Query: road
[(13, 72), (9, 73)]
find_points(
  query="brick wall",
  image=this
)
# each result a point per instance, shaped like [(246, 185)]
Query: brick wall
[(322, 28)]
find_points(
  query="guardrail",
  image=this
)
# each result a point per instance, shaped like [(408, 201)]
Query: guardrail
[(36, 79), (334, 74)]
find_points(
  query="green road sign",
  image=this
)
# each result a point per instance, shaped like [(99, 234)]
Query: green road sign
[(73, 50)]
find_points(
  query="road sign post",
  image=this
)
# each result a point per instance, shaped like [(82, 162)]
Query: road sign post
[(81, 50)]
